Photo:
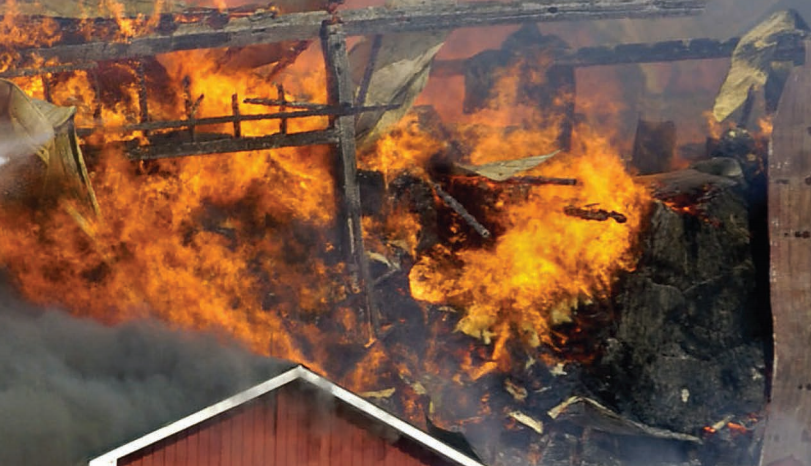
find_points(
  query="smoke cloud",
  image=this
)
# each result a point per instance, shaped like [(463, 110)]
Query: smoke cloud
[(72, 389)]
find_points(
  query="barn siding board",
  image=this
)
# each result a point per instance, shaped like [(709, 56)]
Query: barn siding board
[(291, 426), (202, 455), (182, 455), (193, 443), (788, 430), (281, 433), (238, 438), (226, 433)]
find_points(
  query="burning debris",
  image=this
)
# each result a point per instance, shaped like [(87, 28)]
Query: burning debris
[(438, 264)]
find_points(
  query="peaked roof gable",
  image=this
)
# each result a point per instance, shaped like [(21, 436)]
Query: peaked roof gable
[(297, 373)]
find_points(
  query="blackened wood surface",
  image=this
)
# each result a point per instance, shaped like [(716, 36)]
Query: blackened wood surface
[(287, 427), (240, 32), (223, 146), (788, 431), (789, 48), (340, 92)]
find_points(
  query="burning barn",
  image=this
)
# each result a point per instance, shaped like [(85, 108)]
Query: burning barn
[(504, 237)]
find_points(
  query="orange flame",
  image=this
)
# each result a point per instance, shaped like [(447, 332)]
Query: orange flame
[(243, 242)]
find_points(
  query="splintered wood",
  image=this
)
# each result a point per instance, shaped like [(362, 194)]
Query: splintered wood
[(788, 432)]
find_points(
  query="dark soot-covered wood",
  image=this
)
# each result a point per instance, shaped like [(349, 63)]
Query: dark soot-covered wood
[(687, 348), (264, 28), (340, 94), (788, 431)]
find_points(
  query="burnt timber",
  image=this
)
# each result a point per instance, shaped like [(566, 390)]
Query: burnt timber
[(788, 429), (790, 48), (340, 94), (231, 145), (175, 36)]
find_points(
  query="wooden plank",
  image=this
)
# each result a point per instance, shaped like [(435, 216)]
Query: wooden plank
[(789, 48), (340, 93), (223, 146), (265, 28), (788, 430)]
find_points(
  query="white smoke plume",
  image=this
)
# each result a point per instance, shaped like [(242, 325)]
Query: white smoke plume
[(71, 389)]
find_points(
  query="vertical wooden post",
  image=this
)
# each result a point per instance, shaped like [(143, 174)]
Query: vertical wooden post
[(340, 94), (787, 439), (142, 92), (143, 99), (567, 89), (46, 87), (282, 96), (237, 114)]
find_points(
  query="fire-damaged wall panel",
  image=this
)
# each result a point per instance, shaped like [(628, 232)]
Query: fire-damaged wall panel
[(788, 433), (292, 426)]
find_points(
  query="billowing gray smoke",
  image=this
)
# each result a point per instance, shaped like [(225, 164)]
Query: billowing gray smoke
[(71, 389)]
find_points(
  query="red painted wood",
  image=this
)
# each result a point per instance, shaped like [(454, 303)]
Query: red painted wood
[(193, 445), (169, 455), (293, 426)]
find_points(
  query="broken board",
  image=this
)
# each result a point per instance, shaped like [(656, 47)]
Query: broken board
[(787, 438)]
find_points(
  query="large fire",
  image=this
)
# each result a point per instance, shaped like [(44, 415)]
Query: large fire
[(244, 243)]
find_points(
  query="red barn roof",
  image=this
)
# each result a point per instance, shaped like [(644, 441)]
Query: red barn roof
[(286, 419)]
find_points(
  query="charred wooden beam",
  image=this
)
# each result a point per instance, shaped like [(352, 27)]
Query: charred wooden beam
[(676, 50), (790, 48), (236, 112), (282, 96), (27, 72), (540, 181), (789, 411), (363, 87), (340, 94), (324, 110), (521, 180), (242, 31), (457, 207), (278, 102), (46, 88), (143, 101), (597, 215), (231, 145)]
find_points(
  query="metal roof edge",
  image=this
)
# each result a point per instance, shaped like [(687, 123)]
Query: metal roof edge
[(111, 458), (383, 416), (299, 372)]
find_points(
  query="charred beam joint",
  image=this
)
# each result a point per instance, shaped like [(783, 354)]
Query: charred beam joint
[(200, 32)]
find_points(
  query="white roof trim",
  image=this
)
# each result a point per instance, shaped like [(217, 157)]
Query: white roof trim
[(299, 372)]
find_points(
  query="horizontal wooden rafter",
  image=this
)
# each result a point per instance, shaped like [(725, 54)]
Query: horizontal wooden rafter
[(244, 31)]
